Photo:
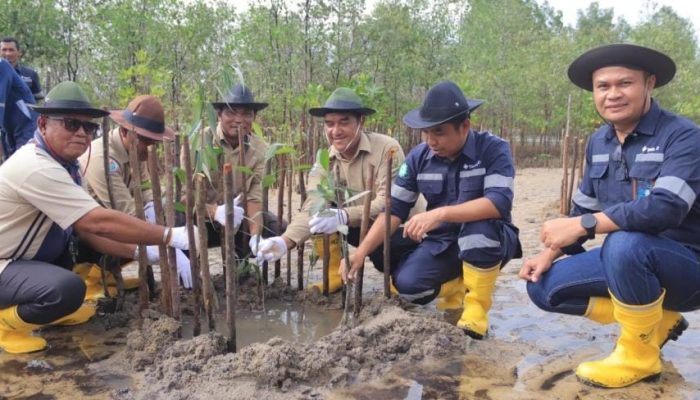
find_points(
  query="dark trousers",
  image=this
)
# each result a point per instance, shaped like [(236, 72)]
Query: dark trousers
[(43, 292)]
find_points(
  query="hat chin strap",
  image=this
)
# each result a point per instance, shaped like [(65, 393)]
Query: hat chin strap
[(354, 139)]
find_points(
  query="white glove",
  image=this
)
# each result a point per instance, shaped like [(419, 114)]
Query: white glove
[(220, 215), (329, 223), (152, 254), (150, 212), (254, 243), (271, 249), (184, 270), (179, 239)]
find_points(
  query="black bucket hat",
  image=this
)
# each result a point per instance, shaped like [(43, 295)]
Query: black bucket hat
[(627, 55), (443, 102), (68, 98), (342, 100), (239, 96)]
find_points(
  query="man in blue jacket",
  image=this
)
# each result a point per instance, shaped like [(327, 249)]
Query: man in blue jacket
[(640, 187), (465, 237), (17, 121)]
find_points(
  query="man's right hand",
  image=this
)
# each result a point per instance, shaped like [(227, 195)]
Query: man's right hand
[(271, 249), (533, 268), (357, 262)]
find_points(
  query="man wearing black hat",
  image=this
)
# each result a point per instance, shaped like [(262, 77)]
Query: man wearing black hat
[(465, 237), (145, 116), (352, 151), (42, 204), (236, 114), (641, 187)]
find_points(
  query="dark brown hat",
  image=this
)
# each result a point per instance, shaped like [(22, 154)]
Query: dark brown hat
[(145, 116)]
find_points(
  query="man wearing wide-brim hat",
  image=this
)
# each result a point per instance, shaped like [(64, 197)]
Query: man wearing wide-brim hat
[(236, 113), (353, 152), (640, 187), (44, 207), (466, 235), (145, 117)]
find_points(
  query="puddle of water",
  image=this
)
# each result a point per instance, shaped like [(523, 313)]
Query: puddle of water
[(290, 321)]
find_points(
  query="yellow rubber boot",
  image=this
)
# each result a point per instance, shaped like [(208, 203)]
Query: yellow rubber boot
[(16, 335), (636, 355), (480, 284), (81, 315), (335, 282), (451, 296), (671, 327), (96, 273), (600, 309)]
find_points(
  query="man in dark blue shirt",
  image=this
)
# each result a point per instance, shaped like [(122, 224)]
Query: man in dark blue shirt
[(465, 236), (17, 121), (10, 50), (640, 187)]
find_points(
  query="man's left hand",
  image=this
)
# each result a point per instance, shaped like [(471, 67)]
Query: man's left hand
[(561, 232), (420, 224)]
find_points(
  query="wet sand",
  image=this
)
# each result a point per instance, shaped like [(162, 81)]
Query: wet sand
[(395, 352)]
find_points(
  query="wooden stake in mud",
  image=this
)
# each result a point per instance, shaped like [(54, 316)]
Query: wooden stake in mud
[(136, 183), (266, 210), (168, 152), (290, 179), (280, 205), (117, 271), (582, 158), (364, 227), (231, 274), (570, 189), (189, 205), (300, 246), (387, 227), (165, 270), (244, 180), (563, 206), (207, 287)]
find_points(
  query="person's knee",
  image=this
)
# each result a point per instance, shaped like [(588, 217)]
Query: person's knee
[(65, 295), (621, 251), (538, 295)]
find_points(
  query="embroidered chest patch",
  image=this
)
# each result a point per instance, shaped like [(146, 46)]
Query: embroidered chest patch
[(113, 166)]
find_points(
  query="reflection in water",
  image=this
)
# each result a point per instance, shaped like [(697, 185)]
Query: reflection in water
[(293, 322)]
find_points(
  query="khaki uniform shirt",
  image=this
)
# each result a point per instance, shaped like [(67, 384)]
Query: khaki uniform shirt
[(372, 150), (253, 159), (119, 171), (35, 192)]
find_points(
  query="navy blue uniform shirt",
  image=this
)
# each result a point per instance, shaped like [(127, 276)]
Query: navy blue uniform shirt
[(650, 183), (17, 121), (31, 79), (484, 168)]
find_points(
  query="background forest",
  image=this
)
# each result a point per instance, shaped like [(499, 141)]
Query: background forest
[(512, 53)]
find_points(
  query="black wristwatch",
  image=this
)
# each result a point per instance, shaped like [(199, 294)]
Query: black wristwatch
[(588, 222)]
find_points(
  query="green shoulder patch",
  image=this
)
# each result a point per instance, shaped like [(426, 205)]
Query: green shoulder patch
[(403, 171)]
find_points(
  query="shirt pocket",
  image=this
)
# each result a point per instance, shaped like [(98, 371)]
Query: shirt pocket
[(643, 175), (598, 174), (432, 191), (471, 188)]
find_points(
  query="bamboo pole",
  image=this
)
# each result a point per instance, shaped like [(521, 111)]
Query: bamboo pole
[(266, 210), (244, 185), (207, 287), (194, 262), (563, 207), (326, 262), (290, 179), (280, 205), (300, 246), (136, 184), (165, 292), (168, 151), (364, 227), (570, 189), (387, 227), (231, 275)]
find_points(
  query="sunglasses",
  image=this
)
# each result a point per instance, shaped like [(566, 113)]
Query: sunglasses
[(72, 125)]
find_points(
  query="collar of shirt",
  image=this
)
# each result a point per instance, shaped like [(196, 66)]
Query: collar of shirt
[(117, 150), (468, 150), (646, 125), (364, 145)]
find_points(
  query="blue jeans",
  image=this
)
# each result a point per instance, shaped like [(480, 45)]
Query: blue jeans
[(634, 266)]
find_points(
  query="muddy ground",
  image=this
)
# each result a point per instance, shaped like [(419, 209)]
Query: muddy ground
[(293, 348)]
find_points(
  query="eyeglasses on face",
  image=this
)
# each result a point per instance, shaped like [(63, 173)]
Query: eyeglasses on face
[(72, 125)]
